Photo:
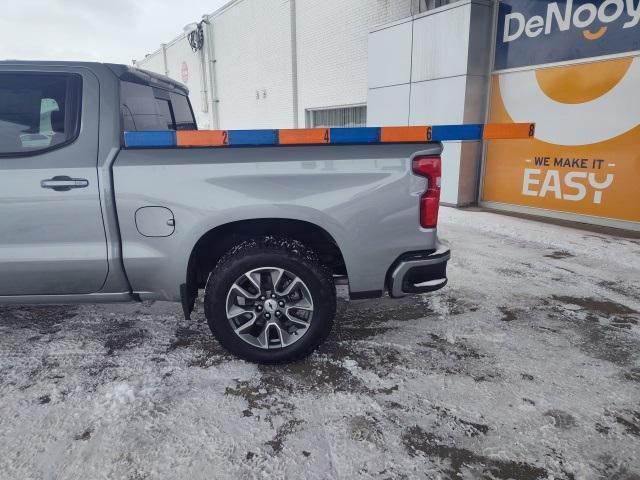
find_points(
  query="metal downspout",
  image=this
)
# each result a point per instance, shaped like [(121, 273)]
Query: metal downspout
[(204, 99), (164, 59), (214, 113), (294, 63)]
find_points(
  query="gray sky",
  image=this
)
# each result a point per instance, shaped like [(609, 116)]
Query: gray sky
[(101, 30)]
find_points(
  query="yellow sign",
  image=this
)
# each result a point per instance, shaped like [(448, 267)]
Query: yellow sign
[(585, 157)]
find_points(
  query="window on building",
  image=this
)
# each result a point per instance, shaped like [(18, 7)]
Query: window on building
[(38, 112), (337, 117)]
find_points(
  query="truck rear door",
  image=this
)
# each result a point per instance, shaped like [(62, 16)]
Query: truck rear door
[(52, 237)]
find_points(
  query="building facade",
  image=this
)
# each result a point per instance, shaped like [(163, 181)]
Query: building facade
[(433, 69), (570, 66), (280, 64)]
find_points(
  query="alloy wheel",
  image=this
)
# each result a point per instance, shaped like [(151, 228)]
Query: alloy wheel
[(269, 308)]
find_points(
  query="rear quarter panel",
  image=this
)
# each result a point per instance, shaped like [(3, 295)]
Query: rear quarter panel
[(365, 197)]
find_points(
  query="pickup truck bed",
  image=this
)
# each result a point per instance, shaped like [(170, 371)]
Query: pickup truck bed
[(360, 200)]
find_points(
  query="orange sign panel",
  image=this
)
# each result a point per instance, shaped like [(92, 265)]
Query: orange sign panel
[(202, 138), (495, 131), (585, 157), (406, 134), (311, 136)]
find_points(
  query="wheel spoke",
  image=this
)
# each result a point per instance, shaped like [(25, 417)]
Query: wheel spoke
[(235, 311), (263, 337), (303, 304), (283, 335), (255, 281), (276, 276), (244, 293), (296, 281), (247, 325), (294, 319)]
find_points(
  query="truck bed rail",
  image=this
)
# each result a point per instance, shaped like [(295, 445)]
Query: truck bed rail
[(327, 136)]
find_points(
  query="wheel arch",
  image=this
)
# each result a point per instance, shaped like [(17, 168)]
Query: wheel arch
[(214, 243)]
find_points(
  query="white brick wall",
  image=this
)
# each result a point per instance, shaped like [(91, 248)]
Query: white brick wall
[(332, 48), (253, 51), (153, 62)]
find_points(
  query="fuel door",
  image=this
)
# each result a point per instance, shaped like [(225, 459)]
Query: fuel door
[(155, 221)]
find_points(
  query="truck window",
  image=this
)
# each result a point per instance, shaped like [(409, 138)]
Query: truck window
[(38, 112), (139, 109), (150, 109), (182, 112), (164, 108)]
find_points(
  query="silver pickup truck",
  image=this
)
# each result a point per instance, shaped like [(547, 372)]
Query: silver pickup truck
[(266, 231)]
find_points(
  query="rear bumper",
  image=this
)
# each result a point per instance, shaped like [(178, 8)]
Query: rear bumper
[(419, 272)]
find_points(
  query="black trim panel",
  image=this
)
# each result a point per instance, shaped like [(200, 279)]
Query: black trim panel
[(365, 295), (420, 273)]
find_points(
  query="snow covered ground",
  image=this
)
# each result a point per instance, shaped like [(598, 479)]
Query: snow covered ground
[(526, 366)]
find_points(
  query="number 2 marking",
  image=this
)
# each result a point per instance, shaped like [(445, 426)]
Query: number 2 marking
[(225, 138)]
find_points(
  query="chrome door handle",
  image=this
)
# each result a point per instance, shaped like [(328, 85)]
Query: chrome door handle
[(64, 183)]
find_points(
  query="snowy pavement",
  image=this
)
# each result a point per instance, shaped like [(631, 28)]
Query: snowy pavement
[(526, 366)]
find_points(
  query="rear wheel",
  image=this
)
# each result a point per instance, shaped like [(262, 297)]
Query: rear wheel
[(270, 300)]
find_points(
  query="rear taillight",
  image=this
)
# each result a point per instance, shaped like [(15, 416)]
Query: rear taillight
[(431, 168)]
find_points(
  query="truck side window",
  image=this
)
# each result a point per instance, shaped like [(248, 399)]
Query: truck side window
[(164, 107), (38, 112), (146, 108), (182, 112), (139, 109)]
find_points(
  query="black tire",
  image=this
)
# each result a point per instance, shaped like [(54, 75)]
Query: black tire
[(282, 253)]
